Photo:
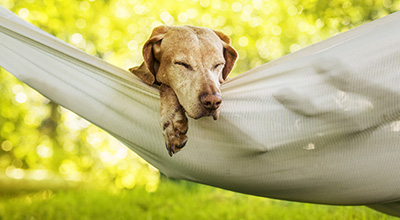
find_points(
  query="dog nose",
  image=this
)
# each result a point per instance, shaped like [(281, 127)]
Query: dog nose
[(211, 101)]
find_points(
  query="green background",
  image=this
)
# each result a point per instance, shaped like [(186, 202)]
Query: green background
[(44, 146)]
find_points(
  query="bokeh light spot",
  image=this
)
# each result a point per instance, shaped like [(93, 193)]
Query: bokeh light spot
[(167, 18), (139, 9), (192, 13), (243, 41), (104, 21), (292, 10), (276, 30), (15, 173), (294, 48), (68, 146), (76, 38), (183, 17), (30, 119), (23, 13), (39, 174), (80, 23), (116, 35), (44, 151), (205, 3), (122, 13), (133, 45), (84, 6), (206, 18), (236, 6), (264, 53), (6, 146), (17, 89), (21, 97)]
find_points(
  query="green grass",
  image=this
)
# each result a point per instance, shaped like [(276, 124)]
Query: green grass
[(172, 200)]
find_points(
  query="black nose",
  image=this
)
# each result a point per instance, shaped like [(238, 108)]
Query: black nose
[(210, 101)]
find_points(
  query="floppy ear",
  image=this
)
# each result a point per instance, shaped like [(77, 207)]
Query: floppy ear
[(230, 54), (151, 54), (143, 73)]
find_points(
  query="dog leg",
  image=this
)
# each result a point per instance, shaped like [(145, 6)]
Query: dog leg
[(173, 120)]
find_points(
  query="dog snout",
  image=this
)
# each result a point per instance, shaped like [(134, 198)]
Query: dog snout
[(210, 101)]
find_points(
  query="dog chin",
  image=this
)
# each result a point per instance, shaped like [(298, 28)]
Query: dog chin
[(204, 113), (215, 114)]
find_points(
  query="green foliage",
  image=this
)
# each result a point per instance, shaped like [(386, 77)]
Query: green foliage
[(260, 30), (173, 200), (38, 138)]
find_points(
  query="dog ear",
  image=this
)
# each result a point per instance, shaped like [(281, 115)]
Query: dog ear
[(151, 54), (230, 54), (143, 73)]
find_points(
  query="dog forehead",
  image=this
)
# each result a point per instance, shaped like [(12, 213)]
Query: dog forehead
[(191, 36), (190, 40)]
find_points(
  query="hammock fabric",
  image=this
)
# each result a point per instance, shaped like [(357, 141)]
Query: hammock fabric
[(321, 125)]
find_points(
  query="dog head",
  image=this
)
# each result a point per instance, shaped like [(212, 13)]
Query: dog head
[(192, 61)]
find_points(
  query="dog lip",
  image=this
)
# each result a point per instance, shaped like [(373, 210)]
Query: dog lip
[(214, 114), (202, 112)]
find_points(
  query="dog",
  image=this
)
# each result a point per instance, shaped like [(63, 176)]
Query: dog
[(188, 64)]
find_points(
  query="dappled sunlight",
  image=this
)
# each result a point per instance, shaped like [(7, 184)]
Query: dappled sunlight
[(118, 34), (40, 140)]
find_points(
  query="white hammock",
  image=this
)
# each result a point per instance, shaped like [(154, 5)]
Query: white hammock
[(321, 125)]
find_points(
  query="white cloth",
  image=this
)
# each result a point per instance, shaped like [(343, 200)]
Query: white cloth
[(321, 125)]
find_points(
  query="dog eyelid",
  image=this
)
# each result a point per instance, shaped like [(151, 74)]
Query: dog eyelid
[(218, 65), (187, 66)]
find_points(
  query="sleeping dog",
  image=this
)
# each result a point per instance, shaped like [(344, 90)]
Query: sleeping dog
[(189, 64)]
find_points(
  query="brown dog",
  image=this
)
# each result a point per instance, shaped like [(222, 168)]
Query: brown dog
[(188, 63)]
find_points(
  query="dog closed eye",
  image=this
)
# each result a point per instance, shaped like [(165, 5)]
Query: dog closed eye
[(219, 65), (187, 66)]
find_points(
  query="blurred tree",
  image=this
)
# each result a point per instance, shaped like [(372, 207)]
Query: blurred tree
[(39, 136)]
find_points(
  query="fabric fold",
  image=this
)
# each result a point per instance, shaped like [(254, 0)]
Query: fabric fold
[(321, 125)]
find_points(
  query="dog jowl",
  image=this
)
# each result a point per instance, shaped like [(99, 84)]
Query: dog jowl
[(189, 64)]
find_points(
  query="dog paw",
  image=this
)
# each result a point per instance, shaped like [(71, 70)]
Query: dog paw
[(174, 132), (173, 120)]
